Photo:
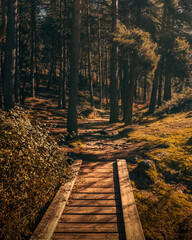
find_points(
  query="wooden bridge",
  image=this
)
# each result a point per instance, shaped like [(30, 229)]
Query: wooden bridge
[(97, 204)]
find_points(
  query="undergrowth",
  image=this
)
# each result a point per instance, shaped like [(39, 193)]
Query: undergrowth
[(165, 208), (31, 169)]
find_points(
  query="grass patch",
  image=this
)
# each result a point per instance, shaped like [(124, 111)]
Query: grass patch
[(166, 207)]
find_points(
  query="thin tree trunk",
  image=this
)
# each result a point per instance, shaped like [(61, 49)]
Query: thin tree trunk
[(125, 88), (106, 81), (154, 91), (4, 20), (129, 111), (1, 63), (33, 8), (17, 82), (10, 56), (167, 87), (61, 57), (89, 59), (75, 52), (114, 111), (160, 87), (99, 62), (145, 89)]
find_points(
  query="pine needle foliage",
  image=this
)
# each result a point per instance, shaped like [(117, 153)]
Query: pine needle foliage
[(138, 42), (31, 169)]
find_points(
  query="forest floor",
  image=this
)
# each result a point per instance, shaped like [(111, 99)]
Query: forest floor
[(165, 206)]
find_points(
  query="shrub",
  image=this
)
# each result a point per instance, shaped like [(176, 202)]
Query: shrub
[(31, 169), (179, 102)]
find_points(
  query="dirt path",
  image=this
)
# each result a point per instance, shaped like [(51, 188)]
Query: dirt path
[(99, 139)]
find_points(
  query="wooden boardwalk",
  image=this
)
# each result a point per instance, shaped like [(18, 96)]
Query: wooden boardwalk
[(98, 204), (94, 208)]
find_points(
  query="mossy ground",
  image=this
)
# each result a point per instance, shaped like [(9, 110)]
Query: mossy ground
[(166, 207)]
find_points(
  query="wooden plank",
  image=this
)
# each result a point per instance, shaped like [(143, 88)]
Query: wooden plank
[(94, 190), (88, 236), (94, 185), (92, 203), (91, 218), (50, 219), (87, 227), (87, 180), (95, 175), (98, 164), (97, 170), (94, 196), (92, 210), (133, 228)]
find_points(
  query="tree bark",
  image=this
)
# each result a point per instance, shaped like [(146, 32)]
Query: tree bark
[(145, 88), (167, 87), (154, 91), (61, 57), (17, 83), (99, 59), (129, 111), (3, 19), (10, 56), (114, 111), (33, 9), (75, 52), (89, 58)]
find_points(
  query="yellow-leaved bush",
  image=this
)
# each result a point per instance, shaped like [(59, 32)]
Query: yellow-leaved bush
[(31, 169)]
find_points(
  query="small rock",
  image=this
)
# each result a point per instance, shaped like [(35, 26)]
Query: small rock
[(145, 174), (132, 160), (189, 141)]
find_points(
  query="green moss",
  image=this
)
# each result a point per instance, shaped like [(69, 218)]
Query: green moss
[(166, 207)]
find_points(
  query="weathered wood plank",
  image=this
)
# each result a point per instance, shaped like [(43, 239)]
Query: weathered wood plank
[(133, 228), (97, 170), (94, 196), (88, 180), (50, 219), (95, 175), (88, 236), (92, 203), (98, 164), (94, 190), (91, 218), (95, 184), (92, 210), (88, 227)]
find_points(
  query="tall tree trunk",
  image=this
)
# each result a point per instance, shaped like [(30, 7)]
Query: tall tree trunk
[(114, 111), (89, 58), (125, 88), (129, 112), (106, 80), (3, 20), (160, 87), (75, 52), (64, 59), (154, 91), (1, 63), (167, 87), (17, 82), (145, 88), (99, 62), (33, 9), (61, 57), (10, 56)]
